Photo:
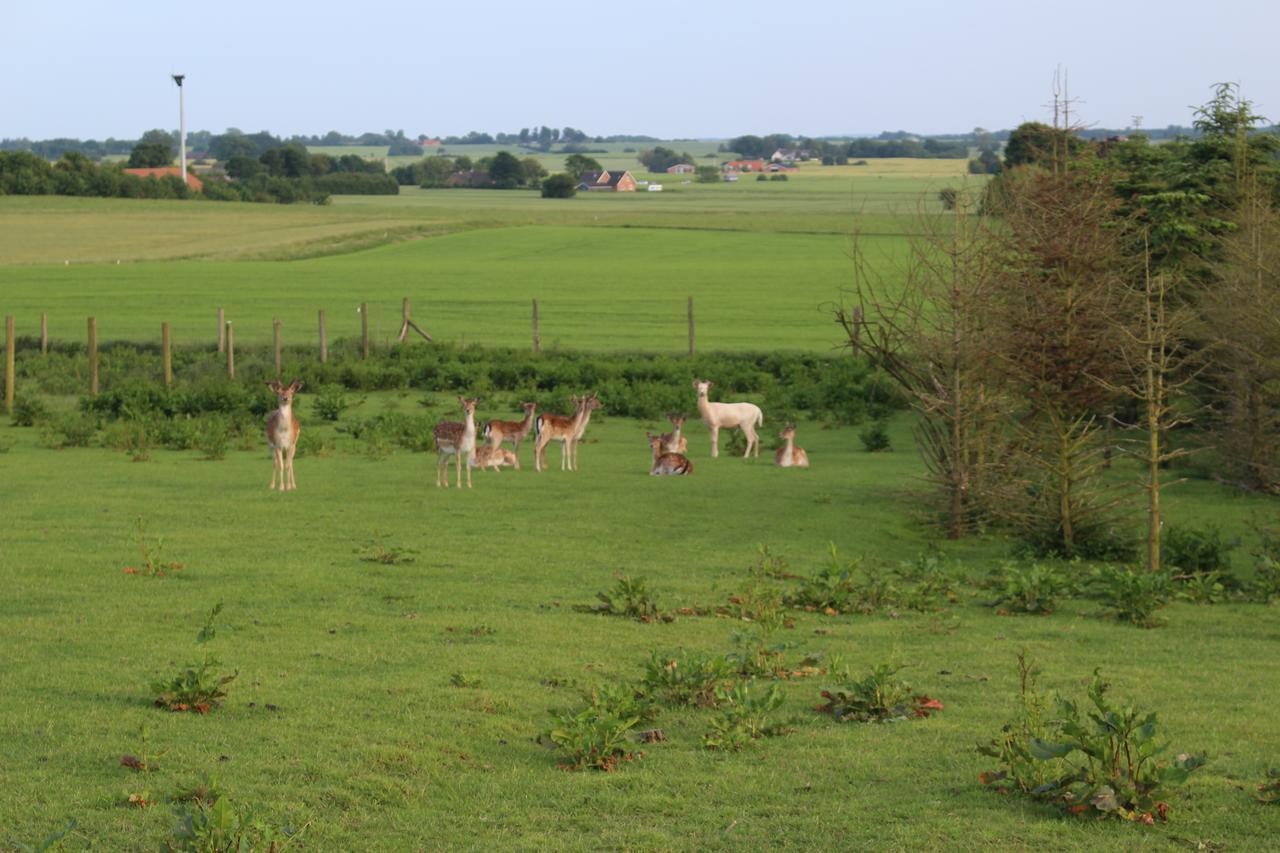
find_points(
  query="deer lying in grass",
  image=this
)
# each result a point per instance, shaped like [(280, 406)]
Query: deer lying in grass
[(494, 458), (549, 428), (790, 456), (457, 440), (667, 464), (743, 416), (674, 442), (496, 432), (282, 434), (590, 402)]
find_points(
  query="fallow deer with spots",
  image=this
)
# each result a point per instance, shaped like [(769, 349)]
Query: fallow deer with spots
[(496, 432), (667, 464), (790, 456), (457, 440), (549, 428), (282, 434)]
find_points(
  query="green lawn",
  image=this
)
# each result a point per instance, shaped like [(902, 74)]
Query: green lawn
[(371, 746)]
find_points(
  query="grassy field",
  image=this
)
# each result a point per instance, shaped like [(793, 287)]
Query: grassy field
[(344, 718), (348, 718)]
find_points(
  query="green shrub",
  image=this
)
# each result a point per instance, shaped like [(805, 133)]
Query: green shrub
[(1190, 550), (593, 738), (29, 411), (212, 437), (69, 430), (875, 437), (1029, 588), (880, 697), (330, 402), (745, 717), (199, 687), (1113, 760), (1013, 747), (1131, 595), (629, 598), (690, 678), (1264, 587), (217, 825)]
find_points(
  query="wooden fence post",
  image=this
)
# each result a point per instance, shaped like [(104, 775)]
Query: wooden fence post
[(364, 330), (690, 325), (166, 350), (231, 352), (10, 348), (275, 342), (324, 341), (222, 330), (537, 343), (44, 333), (93, 356)]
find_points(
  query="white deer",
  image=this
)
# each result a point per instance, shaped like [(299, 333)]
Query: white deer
[(790, 456), (457, 440), (743, 416), (282, 434)]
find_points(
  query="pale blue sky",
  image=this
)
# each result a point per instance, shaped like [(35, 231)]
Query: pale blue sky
[(694, 69)]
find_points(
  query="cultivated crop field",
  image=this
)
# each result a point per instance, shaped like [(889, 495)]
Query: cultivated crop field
[(402, 650)]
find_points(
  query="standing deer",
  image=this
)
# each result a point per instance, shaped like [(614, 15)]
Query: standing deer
[(790, 456), (743, 416), (674, 442), (549, 428), (458, 440), (496, 432), (667, 464), (282, 434), (590, 402)]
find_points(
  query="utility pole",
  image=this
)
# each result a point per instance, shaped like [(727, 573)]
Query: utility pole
[(182, 128)]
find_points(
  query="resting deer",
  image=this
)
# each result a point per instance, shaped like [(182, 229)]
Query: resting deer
[(591, 403), (667, 464), (549, 428), (496, 432), (458, 440), (790, 456), (494, 458), (674, 442), (282, 434), (743, 416)]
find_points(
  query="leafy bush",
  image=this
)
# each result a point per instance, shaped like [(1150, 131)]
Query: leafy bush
[(1132, 595), (691, 678), (199, 687), (29, 411), (1029, 588), (1112, 756), (70, 430), (217, 825), (151, 551), (1265, 585), (744, 717), (875, 437), (622, 700), (330, 402), (629, 598), (593, 737), (1014, 745), (853, 586), (1197, 551), (213, 435), (880, 697)]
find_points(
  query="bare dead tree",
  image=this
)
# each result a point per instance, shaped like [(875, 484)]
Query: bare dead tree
[(925, 329), (1156, 368)]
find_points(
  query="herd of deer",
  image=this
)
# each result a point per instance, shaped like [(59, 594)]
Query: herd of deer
[(458, 439)]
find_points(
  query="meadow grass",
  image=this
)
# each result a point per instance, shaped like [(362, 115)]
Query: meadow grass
[(344, 718)]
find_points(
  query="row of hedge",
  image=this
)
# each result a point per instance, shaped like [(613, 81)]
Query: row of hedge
[(836, 388)]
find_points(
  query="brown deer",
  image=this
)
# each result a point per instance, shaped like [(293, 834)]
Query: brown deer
[(790, 456), (496, 432), (549, 428), (667, 464), (494, 458), (282, 434), (591, 403), (674, 442), (457, 440)]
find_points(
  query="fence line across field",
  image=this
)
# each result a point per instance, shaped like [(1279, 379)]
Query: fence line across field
[(226, 343)]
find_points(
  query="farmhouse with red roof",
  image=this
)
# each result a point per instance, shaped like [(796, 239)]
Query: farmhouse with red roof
[(160, 171)]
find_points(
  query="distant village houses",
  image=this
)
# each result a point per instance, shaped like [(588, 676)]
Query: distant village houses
[(743, 166), (619, 181), (791, 155), (159, 172), (681, 169)]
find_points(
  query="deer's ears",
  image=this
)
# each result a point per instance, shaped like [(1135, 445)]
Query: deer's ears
[(295, 386)]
